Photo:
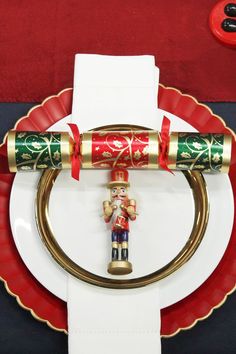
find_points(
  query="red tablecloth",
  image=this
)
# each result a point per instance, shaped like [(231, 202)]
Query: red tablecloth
[(38, 41)]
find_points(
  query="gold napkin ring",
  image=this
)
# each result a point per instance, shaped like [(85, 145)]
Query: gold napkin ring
[(198, 186)]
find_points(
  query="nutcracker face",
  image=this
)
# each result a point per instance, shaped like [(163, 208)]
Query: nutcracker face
[(119, 193)]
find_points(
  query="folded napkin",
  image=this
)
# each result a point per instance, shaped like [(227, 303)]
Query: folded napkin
[(110, 90), (105, 321)]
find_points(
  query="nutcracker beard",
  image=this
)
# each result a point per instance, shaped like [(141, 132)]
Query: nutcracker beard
[(116, 207)]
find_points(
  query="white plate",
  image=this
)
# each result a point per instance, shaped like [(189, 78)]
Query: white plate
[(165, 207)]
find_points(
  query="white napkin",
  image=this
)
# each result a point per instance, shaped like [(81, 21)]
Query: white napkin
[(110, 90), (105, 321)]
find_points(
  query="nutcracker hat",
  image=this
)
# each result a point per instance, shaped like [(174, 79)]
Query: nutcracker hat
[(119, 177)]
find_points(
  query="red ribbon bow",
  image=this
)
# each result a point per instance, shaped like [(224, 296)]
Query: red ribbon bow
[(75, 159), (165, 138)]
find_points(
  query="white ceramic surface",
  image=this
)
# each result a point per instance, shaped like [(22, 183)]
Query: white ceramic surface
[(155, 236)]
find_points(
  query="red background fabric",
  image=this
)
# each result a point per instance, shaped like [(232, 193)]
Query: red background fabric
[(38, 41)]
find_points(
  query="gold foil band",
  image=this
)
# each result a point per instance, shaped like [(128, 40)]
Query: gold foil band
[(226, 157), (66, 150), (153, 150), (172, 151), (11, 151), (86, 150)]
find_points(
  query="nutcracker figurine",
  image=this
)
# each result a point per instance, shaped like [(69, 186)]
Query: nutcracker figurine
[(119, 210)]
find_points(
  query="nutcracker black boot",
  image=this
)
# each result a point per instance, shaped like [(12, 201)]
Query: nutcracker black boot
[(114, 254), (124, 254)]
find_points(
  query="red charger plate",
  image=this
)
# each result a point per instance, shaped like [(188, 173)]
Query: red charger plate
[(46, 307)]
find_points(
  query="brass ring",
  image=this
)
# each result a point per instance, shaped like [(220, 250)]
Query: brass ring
[(198, 186)]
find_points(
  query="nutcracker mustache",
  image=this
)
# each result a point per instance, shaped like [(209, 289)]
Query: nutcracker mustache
[(119, 197), (139, 149)]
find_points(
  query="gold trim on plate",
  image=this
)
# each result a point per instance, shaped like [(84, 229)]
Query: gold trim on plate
[(202, 105), (203, 317), (40, 319)]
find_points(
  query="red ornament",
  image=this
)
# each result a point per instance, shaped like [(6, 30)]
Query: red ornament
[(222, 22)]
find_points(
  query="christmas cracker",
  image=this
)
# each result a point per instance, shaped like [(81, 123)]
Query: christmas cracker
[(30, 151)]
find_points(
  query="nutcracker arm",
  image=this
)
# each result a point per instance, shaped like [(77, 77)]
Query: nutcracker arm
[(131, 209), (107, 211)]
